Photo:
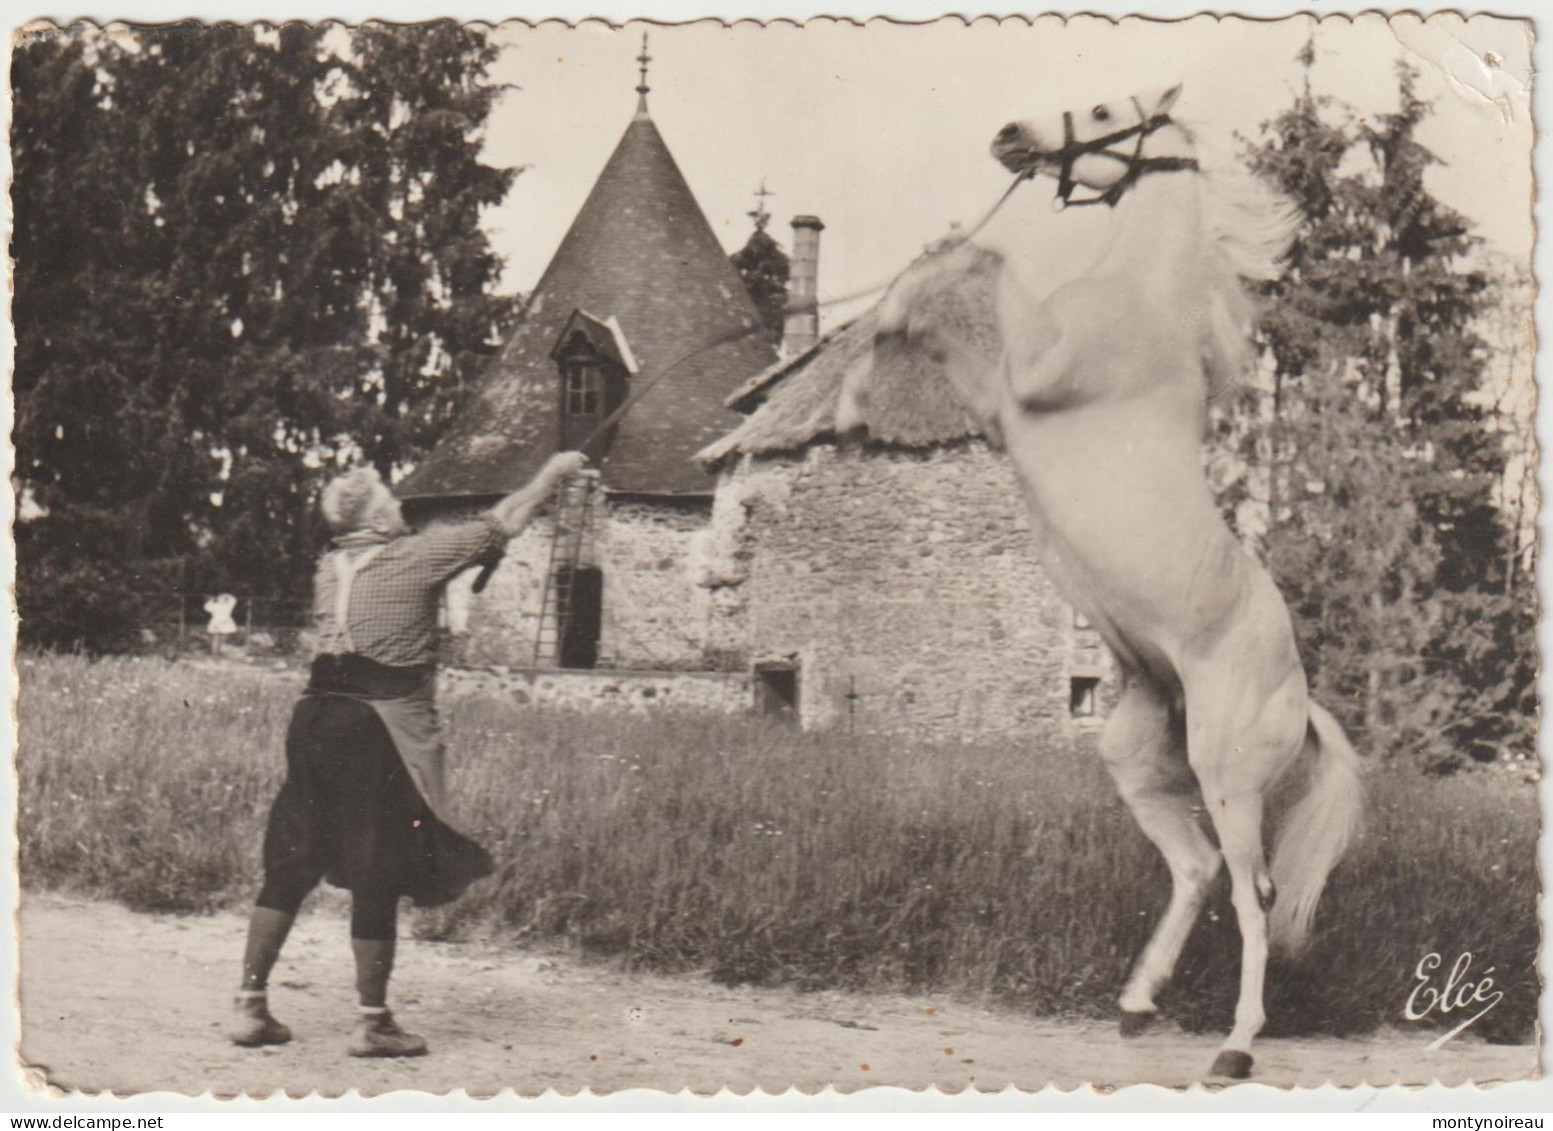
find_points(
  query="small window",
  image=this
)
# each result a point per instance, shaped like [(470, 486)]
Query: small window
[(584, 390), (1083, 691), (776, 690), (1080, 620)]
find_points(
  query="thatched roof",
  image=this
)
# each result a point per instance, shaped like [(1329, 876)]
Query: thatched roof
[(892, 391)]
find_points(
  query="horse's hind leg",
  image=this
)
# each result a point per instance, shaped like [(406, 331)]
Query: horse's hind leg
[(1238, 821), (1236, 760), (1143, 747)]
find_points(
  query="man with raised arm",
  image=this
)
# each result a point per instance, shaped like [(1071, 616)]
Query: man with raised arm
[(363, 804)]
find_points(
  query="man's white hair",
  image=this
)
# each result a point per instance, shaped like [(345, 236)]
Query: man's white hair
[(348, 499)]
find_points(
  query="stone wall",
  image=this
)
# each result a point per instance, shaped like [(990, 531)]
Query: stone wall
[(497, 627), (902, 585), (636, 691), (905, 587), (654, 617)]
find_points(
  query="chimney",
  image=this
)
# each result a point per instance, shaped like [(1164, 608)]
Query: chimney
[(801, 325)]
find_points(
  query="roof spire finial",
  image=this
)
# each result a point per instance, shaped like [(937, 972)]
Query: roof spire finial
[(760, 215), (642, 88)]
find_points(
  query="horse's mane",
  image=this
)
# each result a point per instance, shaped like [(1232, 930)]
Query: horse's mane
[(1247, 229)]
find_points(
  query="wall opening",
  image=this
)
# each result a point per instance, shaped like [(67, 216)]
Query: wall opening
[(583, 625), (776, 691), (1083, 691)]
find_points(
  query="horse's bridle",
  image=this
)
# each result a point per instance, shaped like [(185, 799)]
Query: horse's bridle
[(1136, 163)]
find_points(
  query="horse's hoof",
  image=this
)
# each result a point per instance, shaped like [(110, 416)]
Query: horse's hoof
[(1231, 1064), (1135, 1022)]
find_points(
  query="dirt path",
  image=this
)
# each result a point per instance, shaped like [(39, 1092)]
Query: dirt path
[(115, 1001)]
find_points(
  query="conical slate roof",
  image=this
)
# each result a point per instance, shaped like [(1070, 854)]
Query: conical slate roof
[(642, 254)]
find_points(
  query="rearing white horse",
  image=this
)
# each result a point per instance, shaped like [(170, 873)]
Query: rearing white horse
[(1099, 398)]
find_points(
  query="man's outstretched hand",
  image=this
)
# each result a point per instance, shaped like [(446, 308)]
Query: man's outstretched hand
[(563, 465)]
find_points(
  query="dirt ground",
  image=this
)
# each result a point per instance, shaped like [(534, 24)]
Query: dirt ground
[(117, 1001)]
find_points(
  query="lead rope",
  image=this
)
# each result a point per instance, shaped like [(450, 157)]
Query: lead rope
[(1071, 151), (345, 570), (643, 388)]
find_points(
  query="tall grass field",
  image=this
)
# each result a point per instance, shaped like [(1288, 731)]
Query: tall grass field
[(752, 853)]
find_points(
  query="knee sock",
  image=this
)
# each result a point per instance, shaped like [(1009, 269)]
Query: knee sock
[(374, 965), (267, 931), (373, 928)]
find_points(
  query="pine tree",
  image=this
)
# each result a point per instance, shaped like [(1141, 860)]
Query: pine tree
[(237, 259), (1380, 502), (763, 266), (413, 127)]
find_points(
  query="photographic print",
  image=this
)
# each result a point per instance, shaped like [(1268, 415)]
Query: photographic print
[(845, 553)]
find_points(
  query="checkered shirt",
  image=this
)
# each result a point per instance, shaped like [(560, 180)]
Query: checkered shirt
[(395, 596)]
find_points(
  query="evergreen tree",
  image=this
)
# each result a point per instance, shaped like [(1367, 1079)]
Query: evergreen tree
[(415, 193), (1493, 642), (763, 266), (237, 259), (1380, 501)]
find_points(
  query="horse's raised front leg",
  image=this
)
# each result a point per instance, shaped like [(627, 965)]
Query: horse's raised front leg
[(1051, 356), (1144, 748), (1049, 383)]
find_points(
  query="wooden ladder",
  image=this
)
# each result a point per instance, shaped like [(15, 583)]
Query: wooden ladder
[(573, 516)]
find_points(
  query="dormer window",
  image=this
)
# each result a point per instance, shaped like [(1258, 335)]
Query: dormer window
[(594, 361), (585, 394)]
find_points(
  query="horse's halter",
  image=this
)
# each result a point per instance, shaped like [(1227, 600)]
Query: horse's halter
[(1136, 163)]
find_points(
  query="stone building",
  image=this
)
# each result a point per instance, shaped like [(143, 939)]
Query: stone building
[(738, 548), (639, 299), (871, 561)]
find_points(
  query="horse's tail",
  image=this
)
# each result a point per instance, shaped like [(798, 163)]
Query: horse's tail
[(1315, 833)]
